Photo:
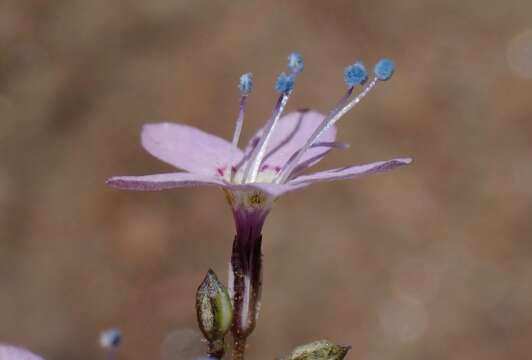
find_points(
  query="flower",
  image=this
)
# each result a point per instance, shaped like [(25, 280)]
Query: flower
[(206, 158), (271, 165), (10, 352)]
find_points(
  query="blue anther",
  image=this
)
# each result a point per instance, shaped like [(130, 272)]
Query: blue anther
[(355, 74), (295, 62), (284, 84), (246, 83), (384, 69)]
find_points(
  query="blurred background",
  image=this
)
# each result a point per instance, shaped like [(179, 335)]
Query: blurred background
[(429, 261)]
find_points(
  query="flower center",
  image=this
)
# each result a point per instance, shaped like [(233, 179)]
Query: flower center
[(251, 200), (267, 174)]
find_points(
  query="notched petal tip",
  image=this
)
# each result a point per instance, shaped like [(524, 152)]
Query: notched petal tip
[(405, 161), (118, 182), (110, 181), (123, 184)]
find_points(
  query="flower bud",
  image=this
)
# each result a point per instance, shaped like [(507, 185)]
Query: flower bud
[(319, 350), (214, 309)]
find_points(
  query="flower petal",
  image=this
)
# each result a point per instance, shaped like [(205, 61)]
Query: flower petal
[(9, 352), (182, 179), (290, 134), (327, 147), (163, 181), (188, 148), (350, 171)]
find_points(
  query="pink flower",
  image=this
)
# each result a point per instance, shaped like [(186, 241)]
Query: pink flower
[(208, 160), (272, 164), (9, 352)]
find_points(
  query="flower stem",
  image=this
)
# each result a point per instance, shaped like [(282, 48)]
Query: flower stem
[(246, 281), (216, 349), (239, 348)]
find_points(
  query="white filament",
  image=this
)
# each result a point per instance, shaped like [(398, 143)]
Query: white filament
[(253, 165), (239, 121)]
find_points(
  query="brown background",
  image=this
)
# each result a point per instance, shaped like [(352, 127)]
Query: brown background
[(433, 261)]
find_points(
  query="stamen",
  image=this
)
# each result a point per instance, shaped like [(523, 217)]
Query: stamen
[(292, 162), (284, 85), (253, 165), (355, 74), (245, 85), (295, 63), (383, 71)]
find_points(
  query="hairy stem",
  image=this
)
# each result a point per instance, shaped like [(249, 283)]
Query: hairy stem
[(246, 267), (239, 348)]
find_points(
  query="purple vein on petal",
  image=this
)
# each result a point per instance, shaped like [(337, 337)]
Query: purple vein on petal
[(304, 165), (286, 139), (293, 130)]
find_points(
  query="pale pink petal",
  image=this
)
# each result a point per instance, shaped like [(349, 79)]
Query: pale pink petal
[(350, 172), (9, 352), (326, 148), (163, 181), (182, 179), (189, 148), (290, 134)]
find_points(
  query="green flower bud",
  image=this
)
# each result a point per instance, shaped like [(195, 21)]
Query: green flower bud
[(319, 350), (214, 309)]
